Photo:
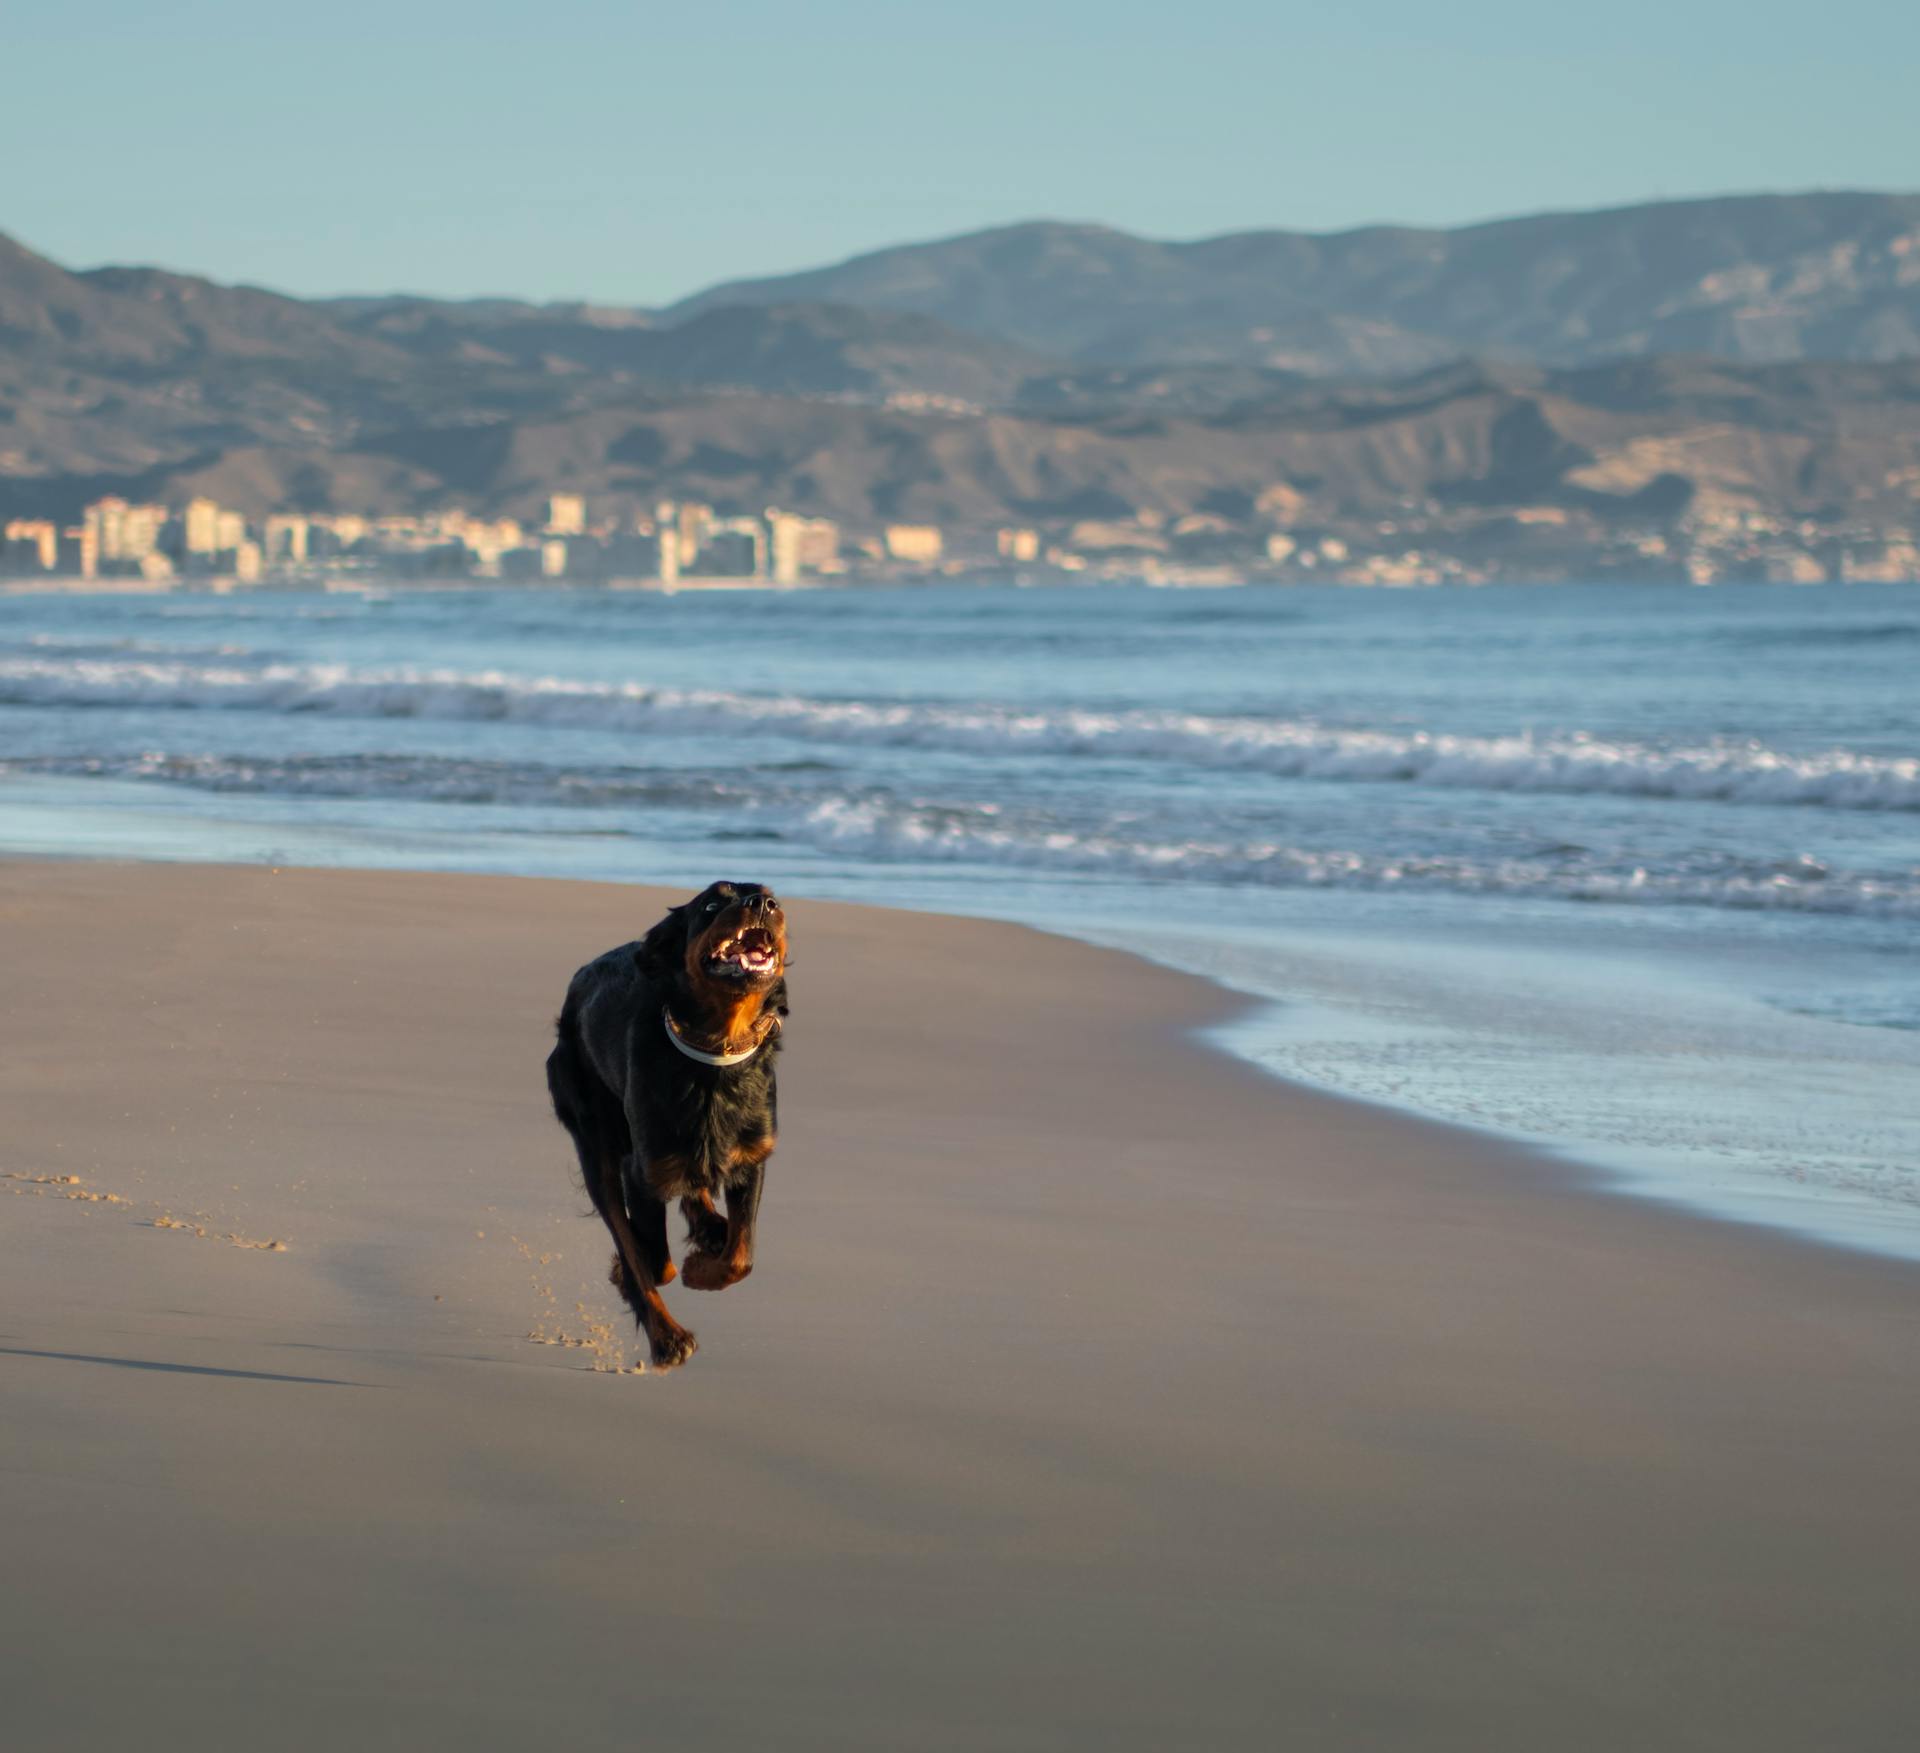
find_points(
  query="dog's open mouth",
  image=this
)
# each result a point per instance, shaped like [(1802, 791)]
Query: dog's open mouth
[(745, 954)]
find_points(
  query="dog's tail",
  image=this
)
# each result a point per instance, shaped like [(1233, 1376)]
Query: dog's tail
[(564, 1068)]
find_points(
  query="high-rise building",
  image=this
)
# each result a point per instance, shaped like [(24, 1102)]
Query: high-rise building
[(693, 521), (798, 545), (202, 527), (102, 519), (566, 515), (79, 552), (124, 534)]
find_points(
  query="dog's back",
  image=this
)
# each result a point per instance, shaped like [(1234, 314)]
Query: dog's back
[(604, 998)]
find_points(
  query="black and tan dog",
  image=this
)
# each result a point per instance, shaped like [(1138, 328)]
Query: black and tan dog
[(664, 1076)]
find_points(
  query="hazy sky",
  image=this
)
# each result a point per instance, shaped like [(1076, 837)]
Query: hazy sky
[(632, 153)]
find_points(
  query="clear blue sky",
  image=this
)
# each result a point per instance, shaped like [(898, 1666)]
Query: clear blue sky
[(633, 153)]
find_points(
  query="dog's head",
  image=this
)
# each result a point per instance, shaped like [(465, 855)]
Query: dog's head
[(728, 942)]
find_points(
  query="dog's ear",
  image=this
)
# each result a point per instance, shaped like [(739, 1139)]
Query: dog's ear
[(661, 949)]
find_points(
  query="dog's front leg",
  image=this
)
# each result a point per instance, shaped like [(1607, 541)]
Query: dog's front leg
[(704, 1271), (706, 1228)]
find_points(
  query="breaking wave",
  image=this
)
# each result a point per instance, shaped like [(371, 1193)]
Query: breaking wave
[(1568, 762), (886, 829), (812, 805)]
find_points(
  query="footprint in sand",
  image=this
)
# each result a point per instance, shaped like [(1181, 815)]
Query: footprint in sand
[(69, 1187), (599, 1338), (61, 1187), (167, 1221)]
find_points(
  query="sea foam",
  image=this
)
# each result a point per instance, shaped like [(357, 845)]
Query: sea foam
[(1571, 761)]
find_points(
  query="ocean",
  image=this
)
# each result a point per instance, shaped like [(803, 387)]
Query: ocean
[(1632, 873)]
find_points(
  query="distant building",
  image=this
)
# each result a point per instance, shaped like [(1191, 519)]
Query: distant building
[(30, 545), (1018, 545), (797, 545), (79, 552), (202, 527), (693, 521), (566, 515), (124, 534), (736, 547), (230, 532), (920, 544), (286, 540), (102, 522)]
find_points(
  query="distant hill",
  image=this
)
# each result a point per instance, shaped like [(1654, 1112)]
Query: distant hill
[(788, 349), (1758, 277), (1635, 443), (1045, 374), (121, 370)]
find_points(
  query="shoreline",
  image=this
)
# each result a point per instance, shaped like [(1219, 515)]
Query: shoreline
[(1739, 1195), (1095, 1386)]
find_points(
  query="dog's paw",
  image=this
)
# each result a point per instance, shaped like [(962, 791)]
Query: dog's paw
[(672, 1350), (711, 1272)]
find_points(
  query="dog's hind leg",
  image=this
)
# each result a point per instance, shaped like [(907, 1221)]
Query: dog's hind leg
[(642, 1240), (599, 1133)]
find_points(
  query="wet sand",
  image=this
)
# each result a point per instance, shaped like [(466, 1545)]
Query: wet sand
[(1091, 1390)]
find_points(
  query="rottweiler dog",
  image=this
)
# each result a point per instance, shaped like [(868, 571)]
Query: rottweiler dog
[(663, 1074)]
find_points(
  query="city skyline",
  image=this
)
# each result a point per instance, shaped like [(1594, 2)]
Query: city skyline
[(600, 153)]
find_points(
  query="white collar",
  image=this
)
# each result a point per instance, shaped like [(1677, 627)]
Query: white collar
[(673, 1035)]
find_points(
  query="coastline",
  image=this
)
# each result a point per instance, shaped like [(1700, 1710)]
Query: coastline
[(1095, 1386), (1429, 1026), (1433, 1017)]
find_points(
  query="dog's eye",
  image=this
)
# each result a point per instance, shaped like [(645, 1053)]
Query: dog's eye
[(713, 906)]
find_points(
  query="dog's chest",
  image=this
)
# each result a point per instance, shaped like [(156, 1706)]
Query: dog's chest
[(704, 1131)]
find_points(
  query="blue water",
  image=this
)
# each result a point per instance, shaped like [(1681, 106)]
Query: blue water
[(1630, 871)]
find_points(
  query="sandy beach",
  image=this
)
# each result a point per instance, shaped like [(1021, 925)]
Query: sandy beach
[(1091, 1389)]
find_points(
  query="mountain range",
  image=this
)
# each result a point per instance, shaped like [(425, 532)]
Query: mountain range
[(1763, 278), (1763, 351)]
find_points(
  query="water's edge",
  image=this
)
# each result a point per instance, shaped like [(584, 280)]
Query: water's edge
[(1262, 1032)]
